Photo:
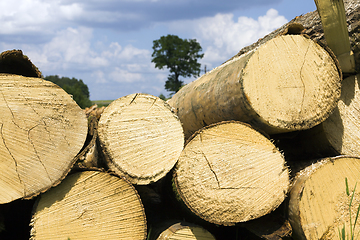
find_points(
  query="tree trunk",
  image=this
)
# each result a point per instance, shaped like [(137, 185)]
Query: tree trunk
[(319, 205), (181, 231), (230, 173), (89, 205), (42, 129), (289, 83), (141, 138)]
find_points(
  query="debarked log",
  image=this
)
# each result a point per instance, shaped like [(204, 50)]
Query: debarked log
[(319, 204), (89, 205), (288, 83), (230, 173), (41, 131), (141, 138)]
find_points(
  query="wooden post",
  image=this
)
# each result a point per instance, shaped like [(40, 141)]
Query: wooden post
[(333, 19)]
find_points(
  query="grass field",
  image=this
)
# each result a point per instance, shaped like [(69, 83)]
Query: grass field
[(101, 103)]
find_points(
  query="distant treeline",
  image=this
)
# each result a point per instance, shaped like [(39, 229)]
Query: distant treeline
[(77, 88)]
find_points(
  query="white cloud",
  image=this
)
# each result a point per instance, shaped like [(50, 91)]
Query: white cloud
[(223, 37), (122, 75)]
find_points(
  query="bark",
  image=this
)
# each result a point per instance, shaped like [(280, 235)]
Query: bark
[(14, 62), (230, 173), (41, 131), (319, 205), (89, 205), (289, 83), (141, 138)]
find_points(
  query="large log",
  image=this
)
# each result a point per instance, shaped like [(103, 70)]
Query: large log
[(41, 131), (89, 205), (141, 138), (230, 173), (319, 205), (288, 83), (339, 134)]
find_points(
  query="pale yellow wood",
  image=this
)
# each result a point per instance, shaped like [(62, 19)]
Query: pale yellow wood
[(342, 128), (89, 205), (288, 83), (41, 131), (333, 19), (230, 173), (183, 231), (318, 205), (141, 137)]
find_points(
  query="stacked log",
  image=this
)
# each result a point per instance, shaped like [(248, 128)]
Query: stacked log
[(288, 83), (141, 138), (230, 173), (42, 130), (90, 205), (247, 132)]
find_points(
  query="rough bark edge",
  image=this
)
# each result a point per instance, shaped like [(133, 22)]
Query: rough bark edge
[(14, 62), (111, 173), (179, 197), (91, 140)]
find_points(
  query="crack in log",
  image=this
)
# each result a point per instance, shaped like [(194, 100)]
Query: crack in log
[(302, 80), (212, 170), (12, 156), (152, 104), (37, 154), (133, 99)]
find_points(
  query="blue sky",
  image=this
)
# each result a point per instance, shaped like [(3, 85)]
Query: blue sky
[(108, 43)]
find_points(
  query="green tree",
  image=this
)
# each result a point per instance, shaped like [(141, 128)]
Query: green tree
[(77, 88), (180, 56)]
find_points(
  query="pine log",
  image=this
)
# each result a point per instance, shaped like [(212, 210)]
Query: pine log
[(181, 231), (319, 205), (141, 138), (41, 131), (89, 205), (289, 83), (230, 173)]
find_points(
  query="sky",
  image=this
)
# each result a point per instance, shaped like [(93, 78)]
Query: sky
[(108, 43)]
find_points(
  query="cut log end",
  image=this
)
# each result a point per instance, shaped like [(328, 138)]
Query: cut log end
[(292, 83), (319, 205), (41, 131), (184, 231), (342, 127), (141, 136), (90, 205), (230, 173)]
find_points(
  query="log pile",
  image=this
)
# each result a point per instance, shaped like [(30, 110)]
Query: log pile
[(250, 150)]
